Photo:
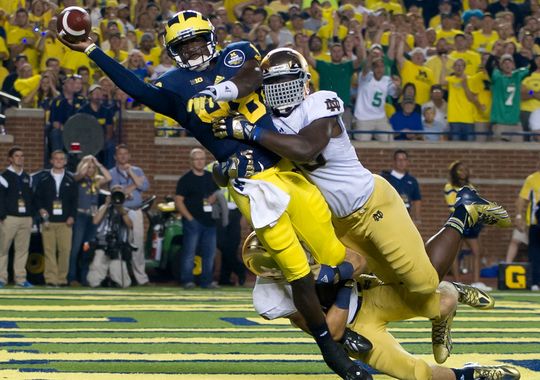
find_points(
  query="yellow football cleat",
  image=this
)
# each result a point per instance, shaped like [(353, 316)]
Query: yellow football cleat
[(474, 297), (441, 338)]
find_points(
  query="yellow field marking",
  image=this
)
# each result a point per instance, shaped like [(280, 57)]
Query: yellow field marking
[(137, 307), (126, 297), (67, 319), (455, 361), (204, 340), (456, 330), (9, 374)]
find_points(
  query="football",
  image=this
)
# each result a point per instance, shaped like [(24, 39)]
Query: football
[(74, 24)]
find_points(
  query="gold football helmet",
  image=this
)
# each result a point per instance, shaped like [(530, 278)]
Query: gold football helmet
[(186, 26)]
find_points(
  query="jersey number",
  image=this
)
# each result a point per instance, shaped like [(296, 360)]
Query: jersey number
[(511, 90), (377, 99)]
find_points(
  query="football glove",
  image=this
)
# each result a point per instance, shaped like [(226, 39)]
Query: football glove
[(237, 127), (199, 101), (240, 166)]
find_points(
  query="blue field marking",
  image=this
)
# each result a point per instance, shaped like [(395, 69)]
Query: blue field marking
[(122, 319), (15, 344), (38, 370), (240, 321), (29, 362), (8, 325), (533, 365), (12, 336)]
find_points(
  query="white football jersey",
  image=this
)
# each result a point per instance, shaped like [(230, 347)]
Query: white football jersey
[(273, 299), (371, 97), (344, 182)]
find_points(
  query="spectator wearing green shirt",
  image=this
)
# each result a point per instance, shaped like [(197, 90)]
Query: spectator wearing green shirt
[(506, 91), (337, 74)]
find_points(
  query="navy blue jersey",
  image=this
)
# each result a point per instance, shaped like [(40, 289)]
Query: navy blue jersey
[(171, 92), (61, 109), (103, 115)]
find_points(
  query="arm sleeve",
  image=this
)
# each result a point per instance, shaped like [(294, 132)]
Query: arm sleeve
[(525, 189), (146, 184), (181, 187), (3, 211), (158, 99), (416, 195)]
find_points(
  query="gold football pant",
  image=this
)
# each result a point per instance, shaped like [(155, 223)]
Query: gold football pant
[(382, 231), (389, 303), (307, 218)]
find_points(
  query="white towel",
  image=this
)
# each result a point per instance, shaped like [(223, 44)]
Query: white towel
[(267, 201)]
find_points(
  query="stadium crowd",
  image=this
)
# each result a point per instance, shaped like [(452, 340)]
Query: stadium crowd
[(440, 70)]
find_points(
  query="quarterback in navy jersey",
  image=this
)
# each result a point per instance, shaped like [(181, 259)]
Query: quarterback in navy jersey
[(209, 86)]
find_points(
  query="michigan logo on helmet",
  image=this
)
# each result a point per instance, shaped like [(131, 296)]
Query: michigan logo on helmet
[(190, 40), (285, 79)]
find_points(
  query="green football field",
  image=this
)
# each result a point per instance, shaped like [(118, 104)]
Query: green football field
[(169, 333)]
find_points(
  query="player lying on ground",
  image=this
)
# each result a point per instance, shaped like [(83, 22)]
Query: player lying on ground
[(208, 85), (368, 214), (368, 314)]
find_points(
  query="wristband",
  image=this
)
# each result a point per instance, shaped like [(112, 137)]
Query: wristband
[(343, 298), (90, 49), (225, 91), (256, 134)]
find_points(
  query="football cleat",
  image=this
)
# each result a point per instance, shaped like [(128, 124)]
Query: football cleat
[(474, 297), (481, 210), (354, 343), (441, 338), (495, 372)]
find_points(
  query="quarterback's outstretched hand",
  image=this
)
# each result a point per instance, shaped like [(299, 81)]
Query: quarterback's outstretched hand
[(199, 101), (77, 46), (236, 127)]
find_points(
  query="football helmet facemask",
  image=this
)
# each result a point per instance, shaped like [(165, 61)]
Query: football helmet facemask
[(181, 32), (285, 79)]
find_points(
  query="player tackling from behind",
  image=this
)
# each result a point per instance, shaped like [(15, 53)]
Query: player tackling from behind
[(368, 214)]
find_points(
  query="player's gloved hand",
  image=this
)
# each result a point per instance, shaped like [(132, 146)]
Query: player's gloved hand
[(241, 166), (336, 358), (199, 101), (355, 343), (237, 127)]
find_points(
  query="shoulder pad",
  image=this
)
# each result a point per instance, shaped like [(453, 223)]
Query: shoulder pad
[(322, 104)]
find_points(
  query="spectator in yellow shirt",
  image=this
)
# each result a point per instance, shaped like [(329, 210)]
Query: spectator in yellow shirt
[(486, 35), (390, 6), (445, 7), (115, 51), (448, 29), (471, 58), (461, 102), (49, 45), (530, 96), (413, 70), (435, 62), (150, 52), (21, 38)]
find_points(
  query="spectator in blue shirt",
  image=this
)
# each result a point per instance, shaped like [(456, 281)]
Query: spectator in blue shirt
[(405, 184), (408, 118)]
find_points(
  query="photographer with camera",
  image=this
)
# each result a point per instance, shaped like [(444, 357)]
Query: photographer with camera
[(112, 247)]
